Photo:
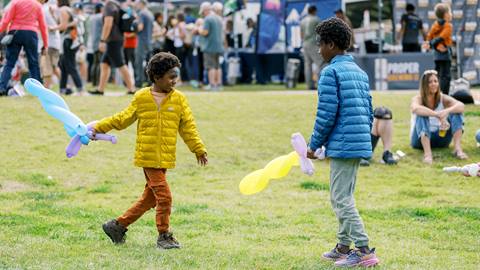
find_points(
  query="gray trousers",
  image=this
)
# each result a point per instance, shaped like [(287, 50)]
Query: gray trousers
[(343, 175), (310, 57), (141, 53)]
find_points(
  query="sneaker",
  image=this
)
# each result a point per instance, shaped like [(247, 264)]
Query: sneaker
[(364, 162), (335, 254), (13, 93), (167, 241), (358, 258), (387, 158), (66, 91), (96, 92), (115, 231)]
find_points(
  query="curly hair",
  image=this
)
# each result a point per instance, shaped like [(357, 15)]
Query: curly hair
[(335, 31), (160, 64)]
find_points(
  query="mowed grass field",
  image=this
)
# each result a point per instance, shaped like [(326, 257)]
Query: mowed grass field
[(52, 208)]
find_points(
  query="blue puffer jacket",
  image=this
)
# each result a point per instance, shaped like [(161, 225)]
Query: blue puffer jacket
[(344, 112)]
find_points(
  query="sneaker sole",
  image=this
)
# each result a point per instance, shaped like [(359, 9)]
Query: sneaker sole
[(370, 263), (165, 248), (367, 263)]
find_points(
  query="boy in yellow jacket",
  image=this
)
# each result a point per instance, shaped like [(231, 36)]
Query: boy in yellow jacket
[(161, 111)]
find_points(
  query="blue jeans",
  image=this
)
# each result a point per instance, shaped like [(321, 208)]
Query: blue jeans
[(29, 41), (422, 126)]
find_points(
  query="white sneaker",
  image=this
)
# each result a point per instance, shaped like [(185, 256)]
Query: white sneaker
[(12, 93)]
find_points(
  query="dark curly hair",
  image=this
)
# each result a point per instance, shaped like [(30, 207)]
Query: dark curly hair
[(160, 64), (335, 31)]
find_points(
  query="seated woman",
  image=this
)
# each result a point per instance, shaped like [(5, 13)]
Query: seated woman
[(436, 119)]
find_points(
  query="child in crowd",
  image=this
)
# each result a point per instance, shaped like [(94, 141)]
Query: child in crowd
[(343, 124), (440, 40), (161, 111)]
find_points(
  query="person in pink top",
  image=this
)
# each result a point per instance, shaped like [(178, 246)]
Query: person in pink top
[(25, 19)]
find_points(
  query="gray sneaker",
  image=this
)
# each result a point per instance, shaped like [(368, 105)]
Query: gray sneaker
[(335, 254), (115, 231), (167, 241), (364, 162), (356, 258)]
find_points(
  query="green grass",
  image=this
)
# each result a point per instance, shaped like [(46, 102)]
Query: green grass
[(52, 208)]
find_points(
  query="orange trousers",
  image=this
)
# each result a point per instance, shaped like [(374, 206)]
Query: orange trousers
[(156, 194)]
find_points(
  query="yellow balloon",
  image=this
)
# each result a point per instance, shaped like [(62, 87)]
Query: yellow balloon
[(275, 169)]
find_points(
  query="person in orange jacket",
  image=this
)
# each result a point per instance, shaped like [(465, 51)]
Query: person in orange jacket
[(439, 39), (161, 111)]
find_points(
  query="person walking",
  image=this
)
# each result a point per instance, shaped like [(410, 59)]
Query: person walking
[(144, 46), (70, 46), (310, 48), (412, 26), (111, 44), (212, 31), (49, 61), (96, 24), (23, 19)]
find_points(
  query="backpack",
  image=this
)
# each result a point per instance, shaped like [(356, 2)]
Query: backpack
[(127, 22), (460, 90)]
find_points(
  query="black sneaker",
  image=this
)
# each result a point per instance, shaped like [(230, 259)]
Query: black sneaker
[(364, 162), (66, 91), (167, 241), (388, 159), (96, 92), (115, 231)]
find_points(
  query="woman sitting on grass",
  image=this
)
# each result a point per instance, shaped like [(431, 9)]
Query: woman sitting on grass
[(436, 119)]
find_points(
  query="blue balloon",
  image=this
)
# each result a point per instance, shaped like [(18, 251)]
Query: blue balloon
[(477, 136), (54, 105)]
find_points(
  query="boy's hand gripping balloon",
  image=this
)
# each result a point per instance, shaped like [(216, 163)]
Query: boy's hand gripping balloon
[(54, 105), (279, 167)]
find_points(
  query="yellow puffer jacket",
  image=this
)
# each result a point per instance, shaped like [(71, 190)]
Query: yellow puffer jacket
[(157, 128)]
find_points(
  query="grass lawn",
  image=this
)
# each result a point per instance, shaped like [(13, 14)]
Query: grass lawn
[(52, 208)]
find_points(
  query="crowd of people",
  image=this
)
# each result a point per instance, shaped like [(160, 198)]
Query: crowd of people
[(79, 49)]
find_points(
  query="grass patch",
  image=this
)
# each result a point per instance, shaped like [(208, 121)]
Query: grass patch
[(310, 185), (55, 222), (37, 179), (105, 188), (472, 113), (418, 194)]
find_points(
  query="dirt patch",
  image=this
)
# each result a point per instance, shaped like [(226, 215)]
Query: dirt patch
[(12, 186)]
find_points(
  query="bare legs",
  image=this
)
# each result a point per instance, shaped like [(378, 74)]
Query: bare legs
[(458, 151), (384, 129), (105, 73), (427, 150)]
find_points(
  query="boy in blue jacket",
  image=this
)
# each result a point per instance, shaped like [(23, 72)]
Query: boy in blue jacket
[(343, 123)]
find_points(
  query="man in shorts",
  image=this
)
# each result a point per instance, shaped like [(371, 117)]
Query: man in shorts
[(212, 31), (49, 61), (111, 44)]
